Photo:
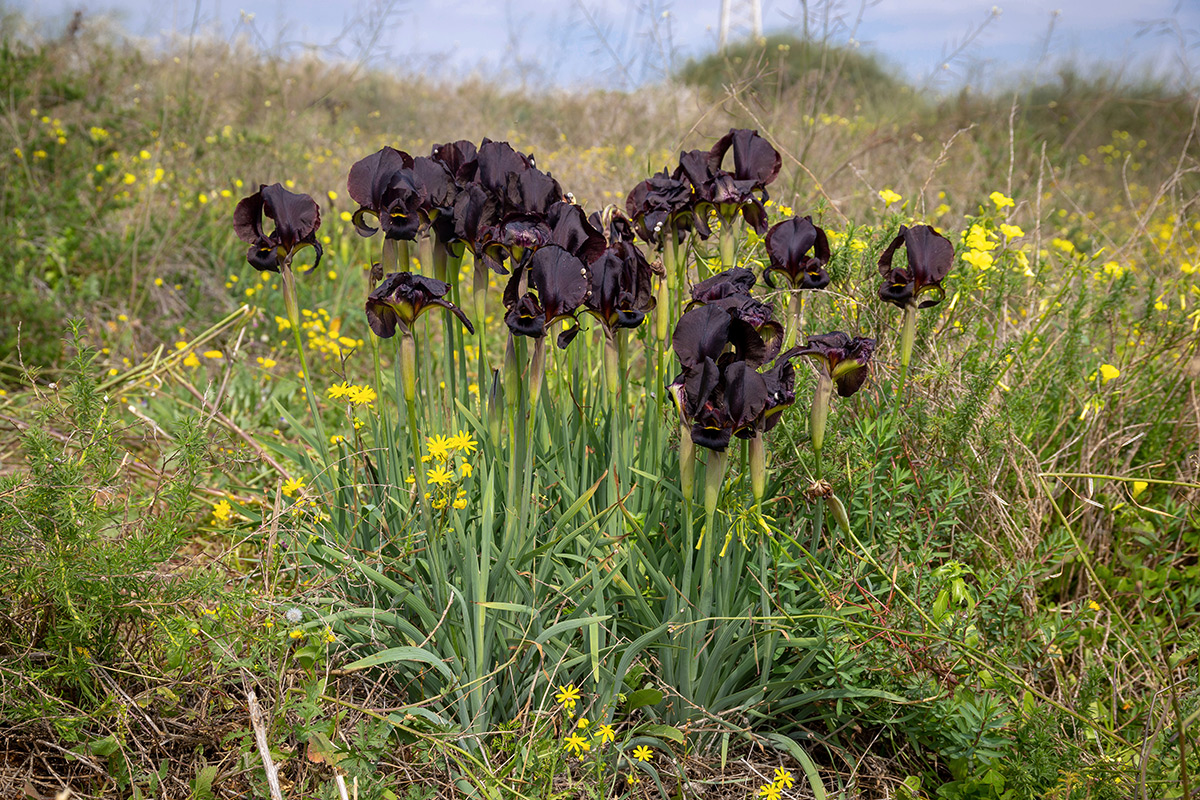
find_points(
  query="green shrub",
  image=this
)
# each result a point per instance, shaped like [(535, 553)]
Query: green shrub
[(84, 547)]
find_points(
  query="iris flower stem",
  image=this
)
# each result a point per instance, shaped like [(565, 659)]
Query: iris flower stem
[(758, 470), (714, 478), (479, 287), (728, 244), (397, 437), (292, 304), (679, 257), (450, 333), (907, 336), (764, 603), (408, 373), (818, 514), (537, 369), (516, 399), (454, 270), (687, 484), (795, 317)]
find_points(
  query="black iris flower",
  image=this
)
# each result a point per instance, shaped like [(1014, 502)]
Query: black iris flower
[(930, 256), (296, 218), (798, 251), (404, 296), (556, 284), (844, 359)]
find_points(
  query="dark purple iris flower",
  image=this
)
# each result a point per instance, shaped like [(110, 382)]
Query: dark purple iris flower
[(385, 187), (404, 296), (798, 250), (556, 284), (296, 218), (661, 202), (722, 394), (844, 359), (930, 256), (621, 295)]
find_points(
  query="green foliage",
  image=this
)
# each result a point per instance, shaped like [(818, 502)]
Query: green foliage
[(82, 561)]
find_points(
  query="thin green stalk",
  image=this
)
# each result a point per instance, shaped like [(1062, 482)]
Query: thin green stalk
[(820, 415), (818, 515), (450, 333), (728, 244), (479, 303), (408, 371), (537, 368), (795, 300), (907, 336)]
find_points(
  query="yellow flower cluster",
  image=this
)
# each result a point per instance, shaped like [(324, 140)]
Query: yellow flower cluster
[(448, 456), (773, 789), (979, 240), (222, 512), (357, 395)]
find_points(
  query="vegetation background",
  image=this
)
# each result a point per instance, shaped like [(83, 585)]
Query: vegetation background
[(1021, 622)]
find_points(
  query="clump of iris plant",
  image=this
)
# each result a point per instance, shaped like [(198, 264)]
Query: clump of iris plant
[(916, 285), (720, 392)]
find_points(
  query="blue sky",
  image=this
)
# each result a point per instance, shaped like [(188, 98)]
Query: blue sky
[(620, 43)]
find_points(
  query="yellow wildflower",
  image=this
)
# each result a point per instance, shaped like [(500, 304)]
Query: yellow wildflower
[(465, 469), (783, 778), (292, 485), (190, 360), (567, 695), (295, 633), (439, 447), (338, 390), (1011, 231), (888, 197), (463, 441), (1093, 605), (770, 791), (213, 354), (1138, 488), (978, 258), (605, 733), (977, 238), (577, 744), (362, 395), (643, 753), (1108, 372), (1001, 200), (222, 511), (439, 475)]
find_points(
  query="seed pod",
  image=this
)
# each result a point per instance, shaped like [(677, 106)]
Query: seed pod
[(839, 513)]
